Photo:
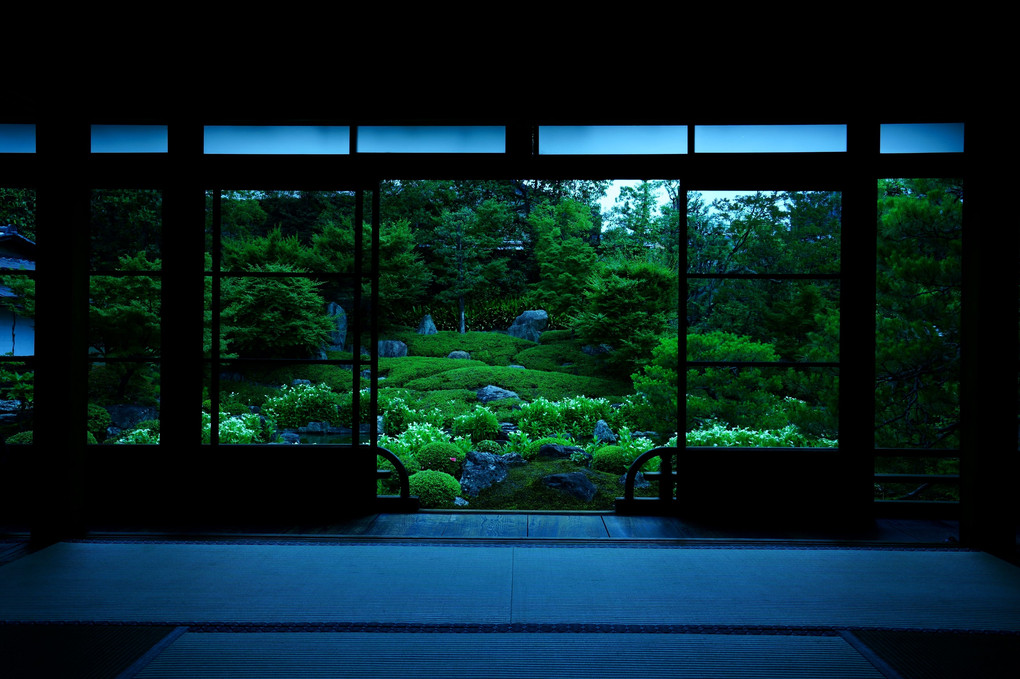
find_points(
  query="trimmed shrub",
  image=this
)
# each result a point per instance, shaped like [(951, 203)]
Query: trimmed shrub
[(541, 417), (479, 425), (21, 438), (435, 489), (297, 406), (98, 421), (488, 447), (440, 456), (612, 459)]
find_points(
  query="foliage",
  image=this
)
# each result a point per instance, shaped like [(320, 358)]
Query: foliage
[(564, 257), (489, 347), (17, 207), (124, 311), (400, 371), (528, 384), (21, 438), (478, 425), (564, 357), (125, 220), (297, 406), (488, 446), (275, 316), (98, 421), (540, 417), (654, 405), (417, 436), (248, 428), (140, 436), (22, 289), (520, 443), (441, 456), (434, 489), (718, 434), (627, 306), (19, 386), (612, 459)]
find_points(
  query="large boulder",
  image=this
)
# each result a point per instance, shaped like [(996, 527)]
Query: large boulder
[(480, 471), (337, 336), (575, 484), (604, 433), (494, 393), (556, 451), (127, 416), (529, 325), (458, 354), (392, 349), (427, 326)]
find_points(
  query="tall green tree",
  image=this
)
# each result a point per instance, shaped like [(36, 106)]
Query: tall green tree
[(564, 256)]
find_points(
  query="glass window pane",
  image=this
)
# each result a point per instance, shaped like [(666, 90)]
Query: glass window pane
[(124, 316), (17, 138), (763, 320), (762, 407), (126, 229), (769, 138), (920, 229), (129, 139), (612, 139), (124, 402), (922, 138), (755, 232), (277, 139), (431, 139), (17, 315)]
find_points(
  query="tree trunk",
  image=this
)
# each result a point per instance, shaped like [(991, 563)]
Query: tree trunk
[(460, 314)]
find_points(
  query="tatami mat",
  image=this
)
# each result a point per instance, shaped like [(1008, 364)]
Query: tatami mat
[(175, 583), (493, 656)]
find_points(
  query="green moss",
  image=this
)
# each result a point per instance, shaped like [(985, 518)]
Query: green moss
[(492, 348), (21, 438), (400, 371), (552, 357), (528, 384), (612, 459), (555, 336)]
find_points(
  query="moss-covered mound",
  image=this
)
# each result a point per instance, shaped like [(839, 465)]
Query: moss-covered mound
[(492, 348), (528, 384)]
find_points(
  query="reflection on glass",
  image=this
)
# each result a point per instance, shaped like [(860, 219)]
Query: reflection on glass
[(762, 407), (922, 138), (277, 139), (126, 229), (769, 138), (17, 138), (431, 139), (920, 229), (123, 402), (612, 139), (129, 139), (756, 232), (17, 315)]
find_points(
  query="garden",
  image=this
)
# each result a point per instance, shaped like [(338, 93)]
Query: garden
[(529, 331)]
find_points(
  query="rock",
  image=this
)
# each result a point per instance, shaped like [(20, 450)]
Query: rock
[(529, 325), (289, 437), (604, 433), (459, 501), (127, 416), (337, 337), (639, 480), (297, 381), (427, 327), (392, 349), (480, 471), (366, 374), (575, 484), (595, 351), (517, 366), (458, 354), (557, 451), (513, 459), (494, 393)]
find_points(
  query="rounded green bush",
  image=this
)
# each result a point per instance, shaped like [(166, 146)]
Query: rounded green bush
[(22, 437), (434, 489), (612, 459), (98, 421), (488, 447), (440, 456)]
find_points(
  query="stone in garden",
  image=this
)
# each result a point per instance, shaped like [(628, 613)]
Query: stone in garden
[(494, 393), (458, 354), (427, 326), (529, 325), (392, 349), (337, 336), (604, 433), (575, 484), (460, 502), (595, 351), (513, 459), (557, 451), (517, 366), (480, 471), (366, 374), (289, 437), (297, 381), (639, 481)]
